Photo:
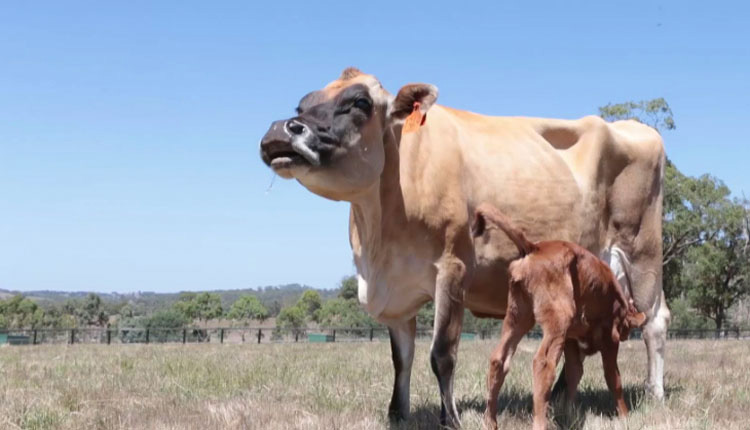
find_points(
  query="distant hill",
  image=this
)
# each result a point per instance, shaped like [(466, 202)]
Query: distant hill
[(274, 297)]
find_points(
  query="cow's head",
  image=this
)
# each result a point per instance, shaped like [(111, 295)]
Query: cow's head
[(334, 146)]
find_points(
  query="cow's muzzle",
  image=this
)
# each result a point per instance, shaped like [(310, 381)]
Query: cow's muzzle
[(287, 143)]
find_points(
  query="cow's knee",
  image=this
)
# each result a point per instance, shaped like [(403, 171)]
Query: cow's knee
[(443, 357)]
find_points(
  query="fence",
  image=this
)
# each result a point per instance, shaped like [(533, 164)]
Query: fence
[(272, 335)]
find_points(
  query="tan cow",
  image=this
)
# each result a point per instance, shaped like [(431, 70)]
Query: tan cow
[(414, 172)]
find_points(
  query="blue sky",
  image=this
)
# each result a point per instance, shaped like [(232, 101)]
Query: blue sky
[(129, 132)]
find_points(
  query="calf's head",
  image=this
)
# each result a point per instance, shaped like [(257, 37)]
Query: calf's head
[(334, 146), (628, 318)]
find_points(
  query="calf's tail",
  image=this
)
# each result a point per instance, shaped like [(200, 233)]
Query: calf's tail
[(489, 213)]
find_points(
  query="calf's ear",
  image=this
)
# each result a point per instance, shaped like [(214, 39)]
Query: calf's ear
[(636, 320), (411, 96)]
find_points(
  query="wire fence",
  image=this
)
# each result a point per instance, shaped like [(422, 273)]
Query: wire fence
[(258, 335)]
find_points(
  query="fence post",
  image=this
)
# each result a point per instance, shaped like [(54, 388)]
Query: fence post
[(259, 335), (72, 336), (34, 343), (296, 336), (147, 333), (109, 336), (371, 333), (221, 336), (334, 335), (184, 335)]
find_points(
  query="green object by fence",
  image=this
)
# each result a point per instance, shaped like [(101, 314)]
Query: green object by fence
[(468, 336), (11, 339), (319, 338)]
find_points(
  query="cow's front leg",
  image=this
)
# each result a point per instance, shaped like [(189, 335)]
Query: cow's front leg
[(449, 313), (402, 351)]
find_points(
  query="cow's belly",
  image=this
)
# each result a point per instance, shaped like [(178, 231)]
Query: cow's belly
[(487, 295)]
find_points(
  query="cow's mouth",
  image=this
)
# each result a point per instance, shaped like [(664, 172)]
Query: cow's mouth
[(286, 159), (285, 155)]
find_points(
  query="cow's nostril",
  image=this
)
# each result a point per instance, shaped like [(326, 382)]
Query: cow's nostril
[(295, 127)]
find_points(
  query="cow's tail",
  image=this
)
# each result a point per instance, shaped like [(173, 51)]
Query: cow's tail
[(487, 212)]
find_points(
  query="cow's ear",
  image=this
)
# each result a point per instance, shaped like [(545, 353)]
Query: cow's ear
[(424, 95)]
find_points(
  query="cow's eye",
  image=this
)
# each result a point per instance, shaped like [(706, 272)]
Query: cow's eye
[(363, 104)]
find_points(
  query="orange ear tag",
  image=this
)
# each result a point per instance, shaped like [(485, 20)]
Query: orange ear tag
[(414, 120)]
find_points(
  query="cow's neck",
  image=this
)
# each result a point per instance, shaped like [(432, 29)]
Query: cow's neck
[(377, 214)]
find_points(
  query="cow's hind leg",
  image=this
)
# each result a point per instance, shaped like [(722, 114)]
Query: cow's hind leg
[(655, 336), (402, 352), (449, 314), (642, 281)]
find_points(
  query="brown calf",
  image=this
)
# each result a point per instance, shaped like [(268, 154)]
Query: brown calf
[(577, 301)]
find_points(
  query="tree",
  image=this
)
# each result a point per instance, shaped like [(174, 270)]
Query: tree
[(349, 289), (187, 305), (718, 273), (248, 307), (91, 311), (166, 325), (685, 317), (693, 214), (310, 302), (292, 318), (209, 306), (202, 306), (20, 312), (655, 113), (168, 318), (274, 308), (340, 312)]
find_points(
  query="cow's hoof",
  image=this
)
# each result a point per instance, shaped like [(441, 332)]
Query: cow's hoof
[(450, 423), (397, 415), (655, 391)]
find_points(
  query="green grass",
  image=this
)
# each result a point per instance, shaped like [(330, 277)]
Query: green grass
[(342, 386)]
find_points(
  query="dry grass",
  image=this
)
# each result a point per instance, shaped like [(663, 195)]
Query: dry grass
[(340, 386)]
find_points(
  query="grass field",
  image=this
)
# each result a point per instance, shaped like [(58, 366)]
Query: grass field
[(341, 386)]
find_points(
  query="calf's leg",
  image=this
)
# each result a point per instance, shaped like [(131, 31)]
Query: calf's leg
[(612, 376), (545, 362), (512, 333), (573, 369)]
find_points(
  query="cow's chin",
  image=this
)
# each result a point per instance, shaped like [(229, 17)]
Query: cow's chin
[(290, 167)]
